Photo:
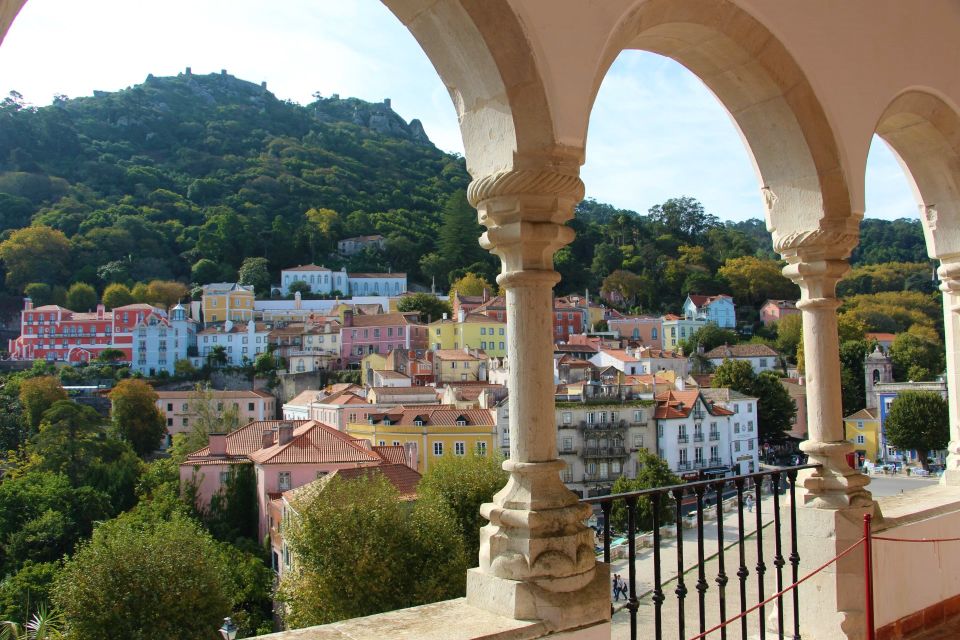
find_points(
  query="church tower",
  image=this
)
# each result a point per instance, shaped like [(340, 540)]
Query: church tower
[(877, 367)]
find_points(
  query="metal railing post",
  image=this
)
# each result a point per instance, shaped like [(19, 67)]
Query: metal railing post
[(868, 573)]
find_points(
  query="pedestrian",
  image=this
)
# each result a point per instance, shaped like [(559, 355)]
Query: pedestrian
[(616, 587), (749, 502), (623, 588)]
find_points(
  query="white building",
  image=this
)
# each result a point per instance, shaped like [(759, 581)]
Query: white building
[(745, 436), (158, 342), (242, 343), (298, 408), (641, 360), (719, 309), (693, 434), (377, 284), (760, 356), (319, 347), (320, 279)]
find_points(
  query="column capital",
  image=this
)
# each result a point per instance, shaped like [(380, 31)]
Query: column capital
[(949, 274), (524, 211), (824, 243)]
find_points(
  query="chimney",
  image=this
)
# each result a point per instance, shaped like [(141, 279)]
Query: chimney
[(285, 432), (27, 304), (410, 453), (486, 294), (223, 72), (263, 85), (218, 444), (101, 310), (267, 440), (348, 318)]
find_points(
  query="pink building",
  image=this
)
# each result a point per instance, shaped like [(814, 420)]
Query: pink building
[(340, 408), (380, 333), (284, 454), (179, 408), (776, 310), (645, 329)]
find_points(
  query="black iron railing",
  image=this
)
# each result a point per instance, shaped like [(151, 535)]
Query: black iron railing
[(742, 495)]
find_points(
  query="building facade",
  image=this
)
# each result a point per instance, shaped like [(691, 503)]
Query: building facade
[(159, 342), (693, 435), (222, 301), (719, 309), (381, 333), (470, 330)]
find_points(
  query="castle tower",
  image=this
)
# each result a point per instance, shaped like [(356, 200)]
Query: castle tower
[(877, 367)]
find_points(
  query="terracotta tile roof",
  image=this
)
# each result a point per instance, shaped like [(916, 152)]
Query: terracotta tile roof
[(341, 386), (881, 337), (388, 374), (458, 355), (497, 303), (383, 320), (304, 397), (315, 443), (247, 439), (404, 391), (723, 394), (436, 415), (679, 404), (402, 477), (741, 351), (700, 300), (307, 267), (397, 274), (217, 394), (864, 414), (620, 355), (671, 316), (391, 454), (140, 306), (574, 348)]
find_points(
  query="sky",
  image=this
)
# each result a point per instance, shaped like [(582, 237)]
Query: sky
[(656, 131)]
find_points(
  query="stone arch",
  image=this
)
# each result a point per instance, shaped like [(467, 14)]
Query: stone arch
[(924, 132), (483, 56), (771, 101)]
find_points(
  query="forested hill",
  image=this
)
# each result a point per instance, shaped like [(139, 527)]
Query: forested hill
[(185, 177), (211, 166)]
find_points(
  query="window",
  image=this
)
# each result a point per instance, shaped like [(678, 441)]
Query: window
[(184, 406), (683, 456), (660, 432), (750, 425), (567, 444), (459, 448), (169, 422), (638, 416), (249, 406), (698, 454), (736, 446), (283, 480), (750, 445), (396, 443), (653, 334), (438, 448), (749, 407), (501, 333), (224, 477), (501, 344), (714, 452), (861, 439), (763, 363), (860, 424), (186, 422), (170, 408), (590, 417), (567, 417)]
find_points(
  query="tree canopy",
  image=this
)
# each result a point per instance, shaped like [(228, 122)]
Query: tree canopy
[(918, 420), (135, 415)]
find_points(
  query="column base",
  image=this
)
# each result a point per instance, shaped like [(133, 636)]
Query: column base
[(831, 602), (950, 478), (527, 601)]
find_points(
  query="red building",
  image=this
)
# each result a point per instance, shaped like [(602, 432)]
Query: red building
[(569, 317), (55, 333)]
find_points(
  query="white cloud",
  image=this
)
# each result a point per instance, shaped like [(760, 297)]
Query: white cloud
[(656, 132)]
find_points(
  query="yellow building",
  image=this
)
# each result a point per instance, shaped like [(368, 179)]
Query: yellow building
[(224, 301), (473, 330), (459, 365), (435, 431), (863, 430)]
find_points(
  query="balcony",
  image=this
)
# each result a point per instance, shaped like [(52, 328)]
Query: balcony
[(715, 462), (698, 414), (568, 451), (605, 452), (684, 466), (699, 464), (714, 436), (683, 439), (698, 437)]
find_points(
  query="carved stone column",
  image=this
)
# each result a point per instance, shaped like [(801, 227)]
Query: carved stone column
[(816, 261), (536, 554), (949, 273), (832, 499)]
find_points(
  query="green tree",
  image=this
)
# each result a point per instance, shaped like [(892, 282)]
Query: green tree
[(470, 285), (301, 287), (210, 416), (43, 624), (918, 420), (217, 356), (233, 510), (35, 254), (428, 306), (183, 368), (69, 439), (37, 395), (256, 272), (81, 297), (754, 280), (40, 293), (111, 355), (626, 284), (400, 555), (265, 364), (166, 293), (789, 334), (116, 295), (653, 472), (459, 233), (775, 408), (709, 337), (464, 483), (135, 415), (852, 382), (735, 374), (163, 579), (917, 355), (26, 590), (205, 271)]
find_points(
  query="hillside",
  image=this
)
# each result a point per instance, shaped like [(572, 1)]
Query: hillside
[(148, 181)]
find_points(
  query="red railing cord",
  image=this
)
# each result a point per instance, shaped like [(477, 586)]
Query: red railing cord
[(885, 539), (868, 573), (779, 593)]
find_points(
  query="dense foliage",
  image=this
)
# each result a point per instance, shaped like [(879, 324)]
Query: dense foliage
[(653, 472), (918, 420)]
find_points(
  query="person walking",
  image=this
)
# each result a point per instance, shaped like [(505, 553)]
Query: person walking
[(616, 587), (748, 500)]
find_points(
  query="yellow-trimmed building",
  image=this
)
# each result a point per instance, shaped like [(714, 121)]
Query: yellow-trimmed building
[(224, 301), (459, 365), (473, 330), (863, 430), (435, 431)]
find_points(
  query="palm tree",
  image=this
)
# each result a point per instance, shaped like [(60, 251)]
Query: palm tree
[(43, 625)]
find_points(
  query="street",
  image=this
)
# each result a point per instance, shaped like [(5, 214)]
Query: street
[(881, 485)]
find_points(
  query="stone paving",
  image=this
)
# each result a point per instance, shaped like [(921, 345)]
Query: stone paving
[(670, 610)]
